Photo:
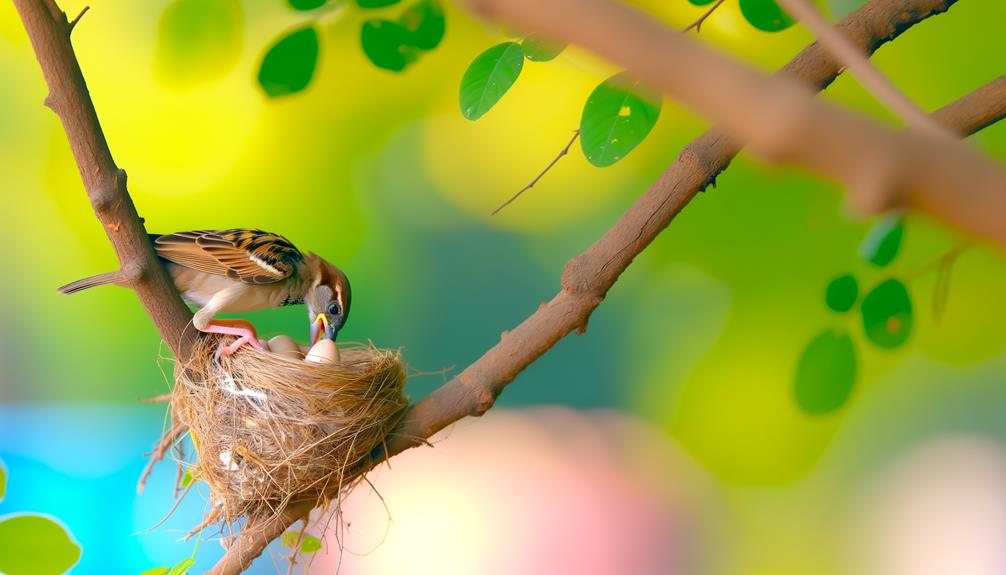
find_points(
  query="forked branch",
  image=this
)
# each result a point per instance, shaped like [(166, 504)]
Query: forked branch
[(858, 64), (589, 276)]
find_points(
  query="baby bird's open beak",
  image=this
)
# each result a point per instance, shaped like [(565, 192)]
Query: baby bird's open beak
[(321, 328)]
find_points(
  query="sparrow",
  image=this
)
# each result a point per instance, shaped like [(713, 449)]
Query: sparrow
[(239, 270)]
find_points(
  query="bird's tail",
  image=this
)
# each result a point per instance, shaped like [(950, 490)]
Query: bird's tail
[(90, 282)]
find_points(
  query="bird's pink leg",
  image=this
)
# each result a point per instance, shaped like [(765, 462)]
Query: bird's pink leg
[(244, 331)]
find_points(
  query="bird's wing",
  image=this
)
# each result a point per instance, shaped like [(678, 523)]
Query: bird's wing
[(249, 256)]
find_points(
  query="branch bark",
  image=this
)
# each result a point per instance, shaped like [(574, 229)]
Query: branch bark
[(49, 32), (858, 64), (588, 277), (781, 119)]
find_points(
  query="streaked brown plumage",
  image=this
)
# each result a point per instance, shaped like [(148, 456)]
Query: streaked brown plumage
[(241, 270)]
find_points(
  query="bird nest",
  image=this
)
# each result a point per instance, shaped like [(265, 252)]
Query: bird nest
[(269, 429)]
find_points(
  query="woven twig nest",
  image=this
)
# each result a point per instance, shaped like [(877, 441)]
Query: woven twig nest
[(269, 429)]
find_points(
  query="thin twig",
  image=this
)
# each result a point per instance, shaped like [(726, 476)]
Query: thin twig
[(859, 65), (178, 501), (563, 152), (697, 25), (944, 264), (781, 121), (73, 22), (942, 290), (950, 255), (295, 549), (156, 399), (162, 446), (180, 468), (209, 519)]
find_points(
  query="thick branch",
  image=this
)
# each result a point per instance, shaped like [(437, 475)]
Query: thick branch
[(781, 119), (589, 276), (975, 111), (105, 183)]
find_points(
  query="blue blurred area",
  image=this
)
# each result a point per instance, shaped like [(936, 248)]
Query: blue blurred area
[(80, 463)]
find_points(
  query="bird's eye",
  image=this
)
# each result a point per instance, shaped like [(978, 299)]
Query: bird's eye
[(333, 308)]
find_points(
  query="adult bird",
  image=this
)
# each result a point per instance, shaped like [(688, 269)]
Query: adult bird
[(239, 270)]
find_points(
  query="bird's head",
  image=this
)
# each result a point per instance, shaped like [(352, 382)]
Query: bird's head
[(327, 299)]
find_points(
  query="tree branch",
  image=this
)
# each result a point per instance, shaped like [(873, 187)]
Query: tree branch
[(858, 64), (975, 111), (588, 277), (781, 119), (49, 32)]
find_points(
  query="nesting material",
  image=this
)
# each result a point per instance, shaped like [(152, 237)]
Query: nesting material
[(269, 428)]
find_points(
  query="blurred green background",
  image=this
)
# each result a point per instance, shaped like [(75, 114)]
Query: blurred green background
[(380, 173)]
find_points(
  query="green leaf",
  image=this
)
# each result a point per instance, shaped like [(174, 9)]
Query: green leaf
[(538, 49), (182, 566), (887, 314), (841, 293), (488, 77), (187, 478), (376, 3), (765, 15), (156, 571), (198, 41), (701, 2), (883, 241), (3, 481), (290, 538), (825, 373), (289, 65), (426, 24), (35, 545), (616, 118), (306, 4), (310, 544), (388, 44)]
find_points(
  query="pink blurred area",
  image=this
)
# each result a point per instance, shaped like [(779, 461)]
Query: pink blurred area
[(538, 491), (940, 509)]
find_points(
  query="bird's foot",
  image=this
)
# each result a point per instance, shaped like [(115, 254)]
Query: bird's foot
[(243, 330)]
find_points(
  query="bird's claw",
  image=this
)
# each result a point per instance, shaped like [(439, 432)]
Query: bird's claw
[(234, 346), (243, 330)]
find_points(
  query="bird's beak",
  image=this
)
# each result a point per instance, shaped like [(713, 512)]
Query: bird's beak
[(321, 328)]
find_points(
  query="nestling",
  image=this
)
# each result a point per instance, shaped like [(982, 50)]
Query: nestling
[(239, 270)]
